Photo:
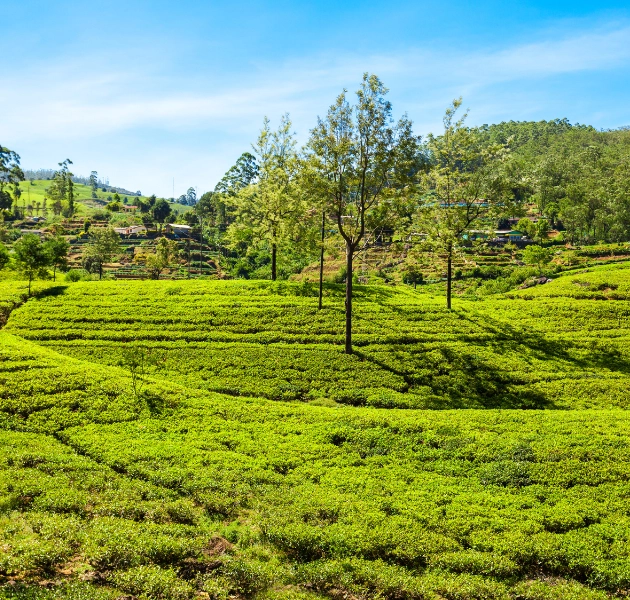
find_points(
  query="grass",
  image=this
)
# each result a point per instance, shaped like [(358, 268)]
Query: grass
[(177, 491)]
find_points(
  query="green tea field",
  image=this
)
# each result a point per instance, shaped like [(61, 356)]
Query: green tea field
[(209, 439)]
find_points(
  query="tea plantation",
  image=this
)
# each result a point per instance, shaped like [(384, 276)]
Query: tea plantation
[(481, 453)]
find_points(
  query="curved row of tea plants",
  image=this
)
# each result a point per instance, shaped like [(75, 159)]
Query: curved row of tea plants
[(262, 339)]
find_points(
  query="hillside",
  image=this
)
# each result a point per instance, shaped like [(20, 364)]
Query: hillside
[(34, 192), (125, 481)]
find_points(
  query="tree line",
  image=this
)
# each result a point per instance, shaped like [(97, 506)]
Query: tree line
[(365, 177)]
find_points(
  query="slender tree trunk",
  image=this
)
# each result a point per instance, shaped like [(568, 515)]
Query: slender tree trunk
[(274, 253), (321, 263), (188, 248), (30, 278), (200, 246), (54, 272), (349, 256), (449, 277)]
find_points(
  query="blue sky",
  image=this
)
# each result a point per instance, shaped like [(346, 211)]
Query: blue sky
[(147, 91)]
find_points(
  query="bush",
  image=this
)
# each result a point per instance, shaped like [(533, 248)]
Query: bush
[(74, 275)]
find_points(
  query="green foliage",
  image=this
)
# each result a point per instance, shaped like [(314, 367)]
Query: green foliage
[(102, 495), (104, 243), (537, 255), (31, 257), (10, 176)]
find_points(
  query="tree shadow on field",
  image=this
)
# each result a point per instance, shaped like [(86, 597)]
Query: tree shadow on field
[(460, 380), (56, 290), (506, 336)]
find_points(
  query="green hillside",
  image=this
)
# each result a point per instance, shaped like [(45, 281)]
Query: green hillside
[(123, 478), (36, 191)]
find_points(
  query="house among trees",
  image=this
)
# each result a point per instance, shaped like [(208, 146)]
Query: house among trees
[(177, 229), (131, 230)]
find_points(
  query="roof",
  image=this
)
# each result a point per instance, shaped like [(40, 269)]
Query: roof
[(179, 226)]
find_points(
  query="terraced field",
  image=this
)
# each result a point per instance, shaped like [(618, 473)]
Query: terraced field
[(260, 339), (275, 487)]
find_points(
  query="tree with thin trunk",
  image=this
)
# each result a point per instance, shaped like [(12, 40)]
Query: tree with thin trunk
[(358, 160), (165, 253), (267, 210), (104, 243), (31, 257), (57, 249), (464, 187)]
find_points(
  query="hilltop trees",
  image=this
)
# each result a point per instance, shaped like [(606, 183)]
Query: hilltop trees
[(267, 208), (94, 183), (462, 186), (62, 189), (359, 160)]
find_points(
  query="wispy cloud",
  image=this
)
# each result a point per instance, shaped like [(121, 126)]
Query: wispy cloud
[(80, 106), (74, 103)]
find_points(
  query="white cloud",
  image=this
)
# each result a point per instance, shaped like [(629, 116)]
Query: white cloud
[(72, 104)]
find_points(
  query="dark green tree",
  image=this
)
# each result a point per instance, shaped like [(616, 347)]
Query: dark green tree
[(161, 211), (4, 256), (10, 176)]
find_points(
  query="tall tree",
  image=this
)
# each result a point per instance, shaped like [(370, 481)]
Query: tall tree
[(359, 161), (57, 249), (238, 176), (94, 183), (462, 186), (10, 176), (266, 210), (31, 257), (191, 196), (62, 189)]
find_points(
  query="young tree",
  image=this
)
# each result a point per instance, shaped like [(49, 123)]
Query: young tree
[(358, 161), (10, 176), (266, 210), (462, 186), (57, 249), (165, 252), (537, 255), (104, 244), (31, 257)]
